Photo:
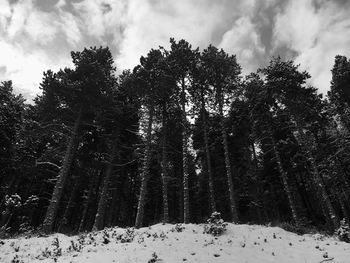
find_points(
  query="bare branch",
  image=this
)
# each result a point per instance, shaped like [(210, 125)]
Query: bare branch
[(47, 163)]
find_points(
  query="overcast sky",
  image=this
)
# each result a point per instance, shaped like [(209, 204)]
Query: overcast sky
[(36, 35)]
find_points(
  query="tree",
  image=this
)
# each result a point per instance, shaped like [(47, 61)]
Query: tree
[(287, 86), (11, 119), (81, 90), (200, 93), (147, 80), (223, 72), (180, 61), (267, 125)]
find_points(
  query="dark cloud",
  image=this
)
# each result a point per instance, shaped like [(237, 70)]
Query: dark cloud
[(106, 8), (263, 18), (12, 2), (3, 70), (46, 5)]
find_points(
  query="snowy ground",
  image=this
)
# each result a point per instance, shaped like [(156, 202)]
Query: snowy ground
[(163, 243)]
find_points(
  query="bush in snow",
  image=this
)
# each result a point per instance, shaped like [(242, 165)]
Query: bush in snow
[(105, 237), (178, 228), (128, 236), (343, 232), (57, 250), (215, 225), (154, 258), (17, 215), (12, 203), (25, 227), (75, 246), (16, 260)]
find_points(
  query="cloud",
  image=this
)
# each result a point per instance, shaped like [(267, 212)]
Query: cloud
[(70, 28), (317, 31), (151, 23), (25, 68), (244, 41), (40, 34), (33, 41), (101, 17), (5, 13)]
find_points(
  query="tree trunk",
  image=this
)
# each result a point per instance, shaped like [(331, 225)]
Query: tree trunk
[(113, 208), (317, 178), (101, 208), (233, 208), (323, 193), (186, 192), (260, 199), (207, 153), (343, 207), (118, 198), (88, 200), (70, 204), (285, 182), (343, 177), (51, 212), (164, 165), (145, 171)]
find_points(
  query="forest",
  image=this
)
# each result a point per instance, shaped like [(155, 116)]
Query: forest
[(180, 136)]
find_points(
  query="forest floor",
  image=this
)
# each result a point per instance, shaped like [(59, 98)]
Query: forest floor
[(178, 243)]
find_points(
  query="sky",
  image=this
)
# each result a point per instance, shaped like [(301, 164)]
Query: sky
[(37, 35)]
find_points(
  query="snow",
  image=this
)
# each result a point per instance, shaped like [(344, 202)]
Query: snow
[(163, 243)]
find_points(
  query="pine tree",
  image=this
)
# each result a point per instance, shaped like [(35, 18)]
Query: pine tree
[(180, 61), (200, 92), (147, 77), (81, 89), (223, 75)]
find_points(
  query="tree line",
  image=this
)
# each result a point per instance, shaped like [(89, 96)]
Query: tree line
[(180, 136)]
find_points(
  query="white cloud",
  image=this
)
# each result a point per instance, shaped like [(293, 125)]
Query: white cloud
[(244, 41), (152, 23), (25, 68), (41, 27), (19, 15), (5, 13), (70, 28), (298, 26), (28, 44), (316, 34), (39, 39), (101, 17)]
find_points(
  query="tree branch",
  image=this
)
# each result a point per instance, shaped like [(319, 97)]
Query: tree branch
[(47, 163)]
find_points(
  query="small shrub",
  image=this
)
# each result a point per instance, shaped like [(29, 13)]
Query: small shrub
[(162, 235), (128, 236), (343, 232), (16, 260), (25, 227), (178, 228), (215, 225), (105, 237), (154, 258), (45, 253), (75, 246), (57, 250)]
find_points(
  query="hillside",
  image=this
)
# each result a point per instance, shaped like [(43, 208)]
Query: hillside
[(177, 243)]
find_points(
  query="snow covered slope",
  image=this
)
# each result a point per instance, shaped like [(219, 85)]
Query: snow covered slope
[(178, 243)]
